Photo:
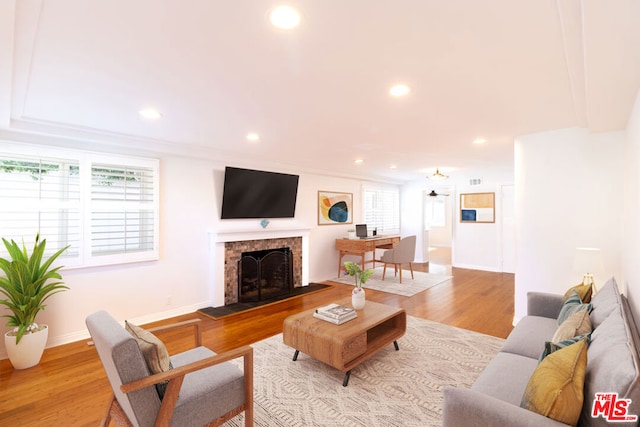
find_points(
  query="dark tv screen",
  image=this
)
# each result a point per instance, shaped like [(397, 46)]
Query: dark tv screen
[(251, 193)]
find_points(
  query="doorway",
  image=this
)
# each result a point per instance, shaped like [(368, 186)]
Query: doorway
[(438, 226)]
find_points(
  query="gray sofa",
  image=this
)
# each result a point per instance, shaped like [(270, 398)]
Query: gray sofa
[(612, 365)]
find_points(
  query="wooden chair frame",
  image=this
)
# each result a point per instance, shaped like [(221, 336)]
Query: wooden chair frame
[(176, 377)]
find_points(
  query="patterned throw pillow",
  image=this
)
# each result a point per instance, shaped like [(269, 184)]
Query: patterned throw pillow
[(577, 324), (572, 305), (154, 351), (555, 390)]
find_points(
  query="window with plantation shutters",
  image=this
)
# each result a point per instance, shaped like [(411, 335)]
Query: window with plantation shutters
[(382, 209), (40, 195), (122, 209), (104, 207)]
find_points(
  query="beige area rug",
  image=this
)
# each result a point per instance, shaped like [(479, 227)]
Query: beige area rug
[(392, 285), (393, 388)]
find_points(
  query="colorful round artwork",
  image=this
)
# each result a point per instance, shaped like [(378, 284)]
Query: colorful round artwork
[(339, 212)]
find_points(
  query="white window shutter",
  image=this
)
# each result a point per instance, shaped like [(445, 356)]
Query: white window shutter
[(382, 208), (105, 207)]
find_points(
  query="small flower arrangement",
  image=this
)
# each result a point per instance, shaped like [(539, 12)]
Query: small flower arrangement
[(361, 276)]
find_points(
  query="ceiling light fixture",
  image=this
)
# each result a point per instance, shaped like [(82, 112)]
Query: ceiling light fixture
[(399, 90), (150, 114), (253, 137), (479, 141), (437, 176), (285, 17), (359, 161)]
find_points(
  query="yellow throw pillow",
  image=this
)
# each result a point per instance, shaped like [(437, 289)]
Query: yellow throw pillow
[(584, 292), (577, 324), (555, 390)]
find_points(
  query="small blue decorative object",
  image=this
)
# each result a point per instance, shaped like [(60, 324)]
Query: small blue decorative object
[(264, 223)]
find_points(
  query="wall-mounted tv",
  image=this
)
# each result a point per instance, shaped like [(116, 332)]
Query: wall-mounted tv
[(251, 193)]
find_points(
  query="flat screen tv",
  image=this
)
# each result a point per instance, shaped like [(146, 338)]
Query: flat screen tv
[(251, 193)]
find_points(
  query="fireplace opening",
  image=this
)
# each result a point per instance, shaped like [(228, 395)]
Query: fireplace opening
[(265, 274)]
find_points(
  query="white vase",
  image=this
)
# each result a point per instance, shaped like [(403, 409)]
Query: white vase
[(28, 351), (358, 299)]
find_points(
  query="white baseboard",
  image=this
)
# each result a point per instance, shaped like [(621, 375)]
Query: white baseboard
[(478, 267), (57, 340)]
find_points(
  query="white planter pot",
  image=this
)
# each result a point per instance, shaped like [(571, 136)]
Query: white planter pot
[(28, 351), (358, 299)]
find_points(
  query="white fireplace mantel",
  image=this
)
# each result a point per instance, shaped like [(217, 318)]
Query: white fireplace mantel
[(220, 237), (242, 235)]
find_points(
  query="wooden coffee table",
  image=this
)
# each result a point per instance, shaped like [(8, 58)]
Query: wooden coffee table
[(345, 346)]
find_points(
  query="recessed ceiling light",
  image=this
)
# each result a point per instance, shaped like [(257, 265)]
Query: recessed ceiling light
[(253, 137), (399, 90), (359, 161), (150, 114), (285, 17), (479, 141), (393, 167)]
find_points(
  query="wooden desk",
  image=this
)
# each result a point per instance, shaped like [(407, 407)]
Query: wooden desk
[(345, 346), (360, 247)]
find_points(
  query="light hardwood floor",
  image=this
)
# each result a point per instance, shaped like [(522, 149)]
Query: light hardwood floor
[(69, 387)]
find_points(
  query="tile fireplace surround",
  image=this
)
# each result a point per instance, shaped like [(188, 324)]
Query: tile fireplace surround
[(227, 247)]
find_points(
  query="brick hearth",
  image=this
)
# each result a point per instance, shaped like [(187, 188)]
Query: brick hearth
[(233, 252)]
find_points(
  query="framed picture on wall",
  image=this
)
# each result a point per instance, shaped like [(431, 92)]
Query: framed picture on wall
[(477, 207), (335, 208)]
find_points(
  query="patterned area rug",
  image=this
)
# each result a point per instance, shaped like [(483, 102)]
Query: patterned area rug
[(392, 285), (394, 388)]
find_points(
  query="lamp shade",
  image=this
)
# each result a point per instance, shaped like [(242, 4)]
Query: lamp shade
[(588, 261)]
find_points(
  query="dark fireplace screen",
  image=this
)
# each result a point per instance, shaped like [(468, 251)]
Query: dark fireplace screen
[(266, 274)]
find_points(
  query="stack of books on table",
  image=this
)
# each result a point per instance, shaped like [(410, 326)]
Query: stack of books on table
[(335, 313)]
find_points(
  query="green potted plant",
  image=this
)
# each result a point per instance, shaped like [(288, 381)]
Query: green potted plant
[(358, 295), (28, 282)]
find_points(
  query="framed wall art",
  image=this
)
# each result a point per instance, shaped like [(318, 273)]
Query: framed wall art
[(477, 207), (335, 208)]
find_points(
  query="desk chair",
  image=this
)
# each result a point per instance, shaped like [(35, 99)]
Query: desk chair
[(216, 392), (403, 253)]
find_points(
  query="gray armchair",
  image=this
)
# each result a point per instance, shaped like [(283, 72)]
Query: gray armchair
[(403, 253), (202, 388)]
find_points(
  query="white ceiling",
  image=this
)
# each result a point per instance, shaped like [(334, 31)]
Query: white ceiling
[(318, 95)]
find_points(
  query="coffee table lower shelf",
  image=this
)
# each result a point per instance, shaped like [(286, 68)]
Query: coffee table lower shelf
[(345, 346), (347, 374)]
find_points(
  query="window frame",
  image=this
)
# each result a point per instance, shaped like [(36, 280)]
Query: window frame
[(86, 161), (378, 212)]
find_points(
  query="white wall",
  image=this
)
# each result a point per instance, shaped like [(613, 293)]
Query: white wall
[(474, 246), (180, 281), (411, 216), (142, 292), (477, 245), (568, 190), (323, 258), (631, 239)]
